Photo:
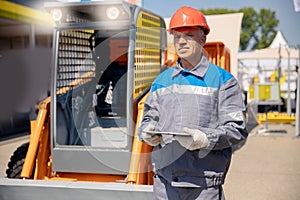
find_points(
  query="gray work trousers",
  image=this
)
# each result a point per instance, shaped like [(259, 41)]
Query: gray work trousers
[(164, 190)]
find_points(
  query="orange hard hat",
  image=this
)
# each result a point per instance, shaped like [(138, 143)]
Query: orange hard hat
[(188, 16)]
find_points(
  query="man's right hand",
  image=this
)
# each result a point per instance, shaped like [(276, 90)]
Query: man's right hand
[(152, 140)]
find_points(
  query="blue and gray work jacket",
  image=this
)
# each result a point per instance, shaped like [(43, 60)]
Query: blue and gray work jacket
[(207, 98)]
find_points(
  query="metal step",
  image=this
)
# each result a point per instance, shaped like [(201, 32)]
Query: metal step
[(60, 190)]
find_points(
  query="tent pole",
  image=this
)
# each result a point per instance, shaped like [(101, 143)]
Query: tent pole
[(297, 132), (298, 106), (289, 84)]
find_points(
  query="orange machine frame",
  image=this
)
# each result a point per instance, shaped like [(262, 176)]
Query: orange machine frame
[(38, 157), (218, 54)]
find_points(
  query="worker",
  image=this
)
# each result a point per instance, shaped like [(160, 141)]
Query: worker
[(193, 115)]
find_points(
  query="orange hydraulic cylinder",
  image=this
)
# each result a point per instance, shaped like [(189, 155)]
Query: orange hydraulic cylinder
[(136, 147), (34, 140)]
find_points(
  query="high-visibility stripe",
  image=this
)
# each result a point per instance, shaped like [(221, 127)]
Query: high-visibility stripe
[(186, 89)]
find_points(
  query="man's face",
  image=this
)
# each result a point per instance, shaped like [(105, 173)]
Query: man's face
[(188, 42)]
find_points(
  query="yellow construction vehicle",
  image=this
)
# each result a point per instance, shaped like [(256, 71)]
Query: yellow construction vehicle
[(83, 143)]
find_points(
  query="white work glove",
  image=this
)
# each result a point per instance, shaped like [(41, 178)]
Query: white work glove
[(196, 140), (152, 140)]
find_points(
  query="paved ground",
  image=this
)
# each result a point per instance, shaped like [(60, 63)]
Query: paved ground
[(266, 167), (7, 148)]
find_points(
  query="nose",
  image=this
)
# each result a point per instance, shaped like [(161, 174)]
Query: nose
[(181, 40)]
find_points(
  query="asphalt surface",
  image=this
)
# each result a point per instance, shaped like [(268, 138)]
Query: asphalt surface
[(7, 148), (266, 167)]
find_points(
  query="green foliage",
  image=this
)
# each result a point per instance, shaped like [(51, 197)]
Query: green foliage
[(258, 28), (249, 27), (217, 11)]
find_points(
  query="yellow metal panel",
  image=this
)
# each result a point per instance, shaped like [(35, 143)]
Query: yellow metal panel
[(22, 13), (251, 92), (264, 92), (283, 79), (276, 117), (274, 76), (148, 53)]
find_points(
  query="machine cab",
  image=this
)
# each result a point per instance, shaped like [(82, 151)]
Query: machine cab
[(105, 57)]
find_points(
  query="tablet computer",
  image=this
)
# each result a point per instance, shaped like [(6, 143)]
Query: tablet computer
[(167, 133)]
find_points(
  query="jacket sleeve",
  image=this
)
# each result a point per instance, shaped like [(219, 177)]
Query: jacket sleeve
[(151, 112), (231, 128)]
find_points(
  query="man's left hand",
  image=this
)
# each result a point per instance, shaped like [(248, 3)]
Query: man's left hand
[(196, 140)]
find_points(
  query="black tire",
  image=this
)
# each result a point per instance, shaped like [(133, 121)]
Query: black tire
[(16, 162)]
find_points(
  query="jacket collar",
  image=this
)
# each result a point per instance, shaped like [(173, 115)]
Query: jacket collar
[(199, 70)]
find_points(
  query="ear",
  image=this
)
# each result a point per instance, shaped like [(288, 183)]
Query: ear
[(203, 40)]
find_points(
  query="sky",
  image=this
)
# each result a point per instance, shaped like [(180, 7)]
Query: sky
[(289, 19)]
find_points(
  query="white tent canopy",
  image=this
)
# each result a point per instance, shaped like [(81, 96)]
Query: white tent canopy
[(277, 50), (278, 41), (270, 53)]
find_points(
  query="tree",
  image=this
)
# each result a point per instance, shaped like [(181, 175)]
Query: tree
[(258, 28), (249, 27), (266, 32)]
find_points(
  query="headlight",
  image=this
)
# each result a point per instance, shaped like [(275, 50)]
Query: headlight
[(56, 14), (112, 12)]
